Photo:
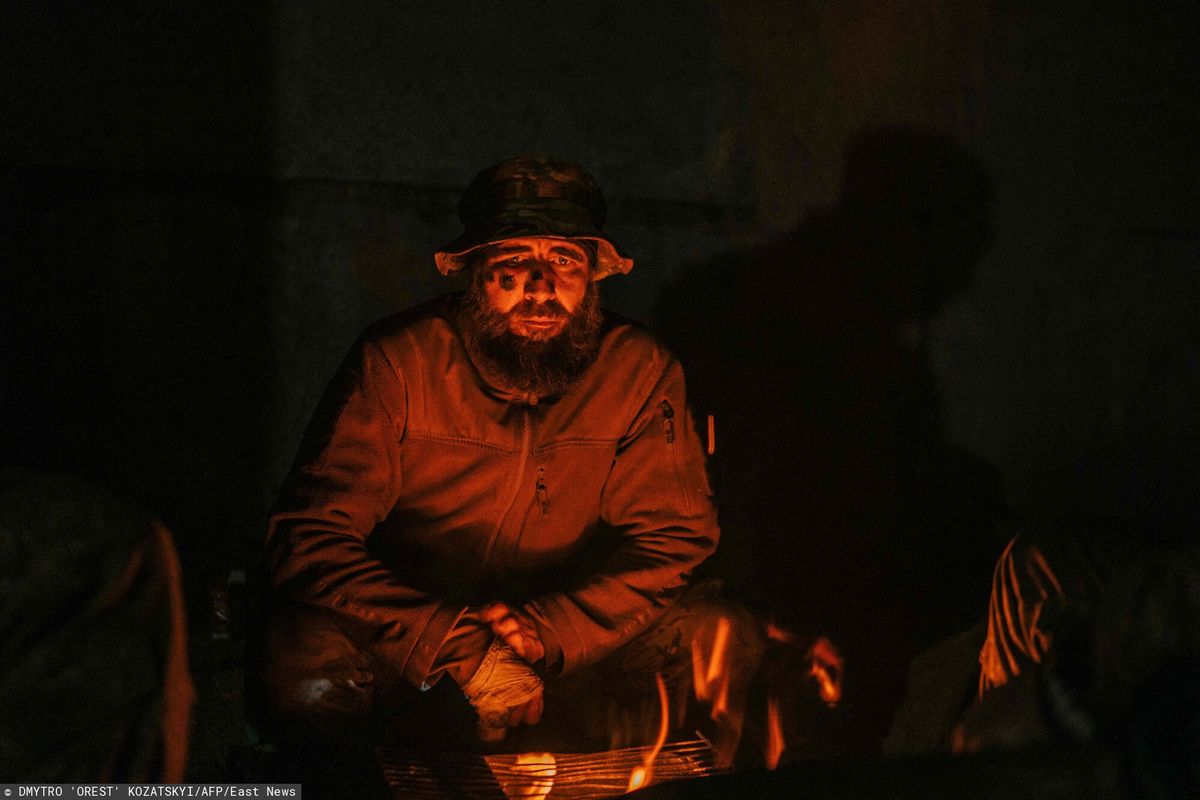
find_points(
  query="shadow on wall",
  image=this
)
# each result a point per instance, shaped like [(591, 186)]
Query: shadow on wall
[(845, 511), (133, 234)]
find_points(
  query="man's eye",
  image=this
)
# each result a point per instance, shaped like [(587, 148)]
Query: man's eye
[(564, 260), (507, 281), (514, 259)]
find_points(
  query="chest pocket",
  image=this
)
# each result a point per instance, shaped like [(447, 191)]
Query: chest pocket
[(686, 459)]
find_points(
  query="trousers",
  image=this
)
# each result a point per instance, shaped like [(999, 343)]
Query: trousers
[(321, 677)]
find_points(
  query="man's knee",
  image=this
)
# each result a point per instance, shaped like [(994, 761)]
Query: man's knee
[(714, 623), (312, 669), (699, 634)]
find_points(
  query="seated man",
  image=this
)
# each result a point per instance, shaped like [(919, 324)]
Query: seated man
[(1044, 588), (1091, 645), (1099, 648), (500, 486), (94, 681)]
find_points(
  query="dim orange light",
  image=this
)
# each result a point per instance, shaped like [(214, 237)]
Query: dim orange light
[(825, 664), (707, 671), (539, 770), (775, 743), (777, 634), (641, 775)]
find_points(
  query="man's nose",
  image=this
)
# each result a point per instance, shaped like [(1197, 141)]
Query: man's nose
[(538, 286)]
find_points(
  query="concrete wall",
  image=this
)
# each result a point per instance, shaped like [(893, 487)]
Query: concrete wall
[(134, 204), (202, 206)]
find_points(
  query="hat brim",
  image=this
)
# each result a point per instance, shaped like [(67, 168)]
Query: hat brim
[(527, 222)]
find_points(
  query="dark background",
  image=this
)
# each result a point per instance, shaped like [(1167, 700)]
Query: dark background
[(201, 204)]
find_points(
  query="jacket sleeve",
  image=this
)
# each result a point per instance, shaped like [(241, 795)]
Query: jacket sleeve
[(345, 480), (657, 499)]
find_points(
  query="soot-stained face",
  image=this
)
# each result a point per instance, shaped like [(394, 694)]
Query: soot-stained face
[(538, 282), (533, 313)]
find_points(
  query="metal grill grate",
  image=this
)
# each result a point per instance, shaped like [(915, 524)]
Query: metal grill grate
[(569, 776)]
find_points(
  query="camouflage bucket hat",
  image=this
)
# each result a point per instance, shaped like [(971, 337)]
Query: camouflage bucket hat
[(535, 195)]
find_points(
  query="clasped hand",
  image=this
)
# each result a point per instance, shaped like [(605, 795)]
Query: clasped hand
[(516, 629), (505, 692)]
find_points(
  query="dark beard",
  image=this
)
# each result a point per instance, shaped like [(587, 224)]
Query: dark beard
[(544, 368)]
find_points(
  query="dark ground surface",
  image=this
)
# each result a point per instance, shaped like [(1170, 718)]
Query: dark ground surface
[(219, 716)]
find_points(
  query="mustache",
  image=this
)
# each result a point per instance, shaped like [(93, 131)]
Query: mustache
[(531, 308), (546, 367)]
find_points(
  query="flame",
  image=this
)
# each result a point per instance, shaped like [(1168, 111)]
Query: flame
[(637, 779), (641, 775), (709, 677), (536, 771), (826, 667), (720, 706), (778, 634), (712, 682), (775, 742), (712, 434)]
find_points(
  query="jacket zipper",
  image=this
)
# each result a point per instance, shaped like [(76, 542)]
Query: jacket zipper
[(542, 495), (668, 415), (522, 463), (668, 421)]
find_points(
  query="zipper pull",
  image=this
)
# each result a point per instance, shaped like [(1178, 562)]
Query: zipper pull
[(542, 495), (668, 421)]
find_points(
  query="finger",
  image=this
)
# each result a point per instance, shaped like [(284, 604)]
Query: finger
[(489, 734), (516, 629), (494, 611), (507, 626), (528, 648), (526, 625), (511, 629), (533, 644), (525, 620), (518, 645), (502, 613), (534, 650), (528, 713)]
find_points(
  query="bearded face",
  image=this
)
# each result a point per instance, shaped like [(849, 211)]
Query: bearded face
[(532, 315)]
